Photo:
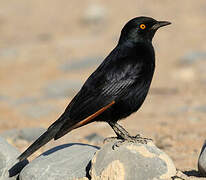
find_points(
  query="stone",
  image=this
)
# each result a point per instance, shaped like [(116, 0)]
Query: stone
[(44, 37), (9, 52), (9, 165), (38, 111), (131, 161), (179, 176), (10, 134), (187, 175), (202, 160), (94, 138), (28, 134), (25, 100), (201, 108), (192, 57), (4, 98), (62, 88), (186, 74), (65, 162), (79, 64), (94, 14)]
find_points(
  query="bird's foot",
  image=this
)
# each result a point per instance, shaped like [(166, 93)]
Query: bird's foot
[(137, 139), (111, 139), (131, 139)]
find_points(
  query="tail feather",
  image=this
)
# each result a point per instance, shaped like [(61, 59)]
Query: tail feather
[(43, 139)]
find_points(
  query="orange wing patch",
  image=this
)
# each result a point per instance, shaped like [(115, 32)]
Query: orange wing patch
[(88, 119)]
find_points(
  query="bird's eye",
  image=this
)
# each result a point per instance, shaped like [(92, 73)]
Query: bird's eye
[(142, 26)]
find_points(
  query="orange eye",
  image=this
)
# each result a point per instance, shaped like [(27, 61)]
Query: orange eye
[(142, 26)]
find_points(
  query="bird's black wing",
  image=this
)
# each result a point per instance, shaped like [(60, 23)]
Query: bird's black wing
[(89, 101), (107, 84)]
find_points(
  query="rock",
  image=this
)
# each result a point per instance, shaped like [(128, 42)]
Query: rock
[(94, 14), (62, 88), (8, 53), (164, 91), (65, 162), (38, 111), (179, 110), (28, 134), (187, 175), (179, 176), (44, 37), (79, 64), (94, 138), (25, 100), (201, 108), (131, 161), (192, 57), (10, 134), (186, 74), (186, 109), (4, 98), (9, 165), (202, 160)]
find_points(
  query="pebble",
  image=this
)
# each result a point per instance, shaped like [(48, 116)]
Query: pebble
[(28, 134), (38, 111), (94, 14), (192, 57), (201, 108), (186, 74), (24, 100), (4, 98), (95, 138), (80, 64), (62, 88), (8, 53)]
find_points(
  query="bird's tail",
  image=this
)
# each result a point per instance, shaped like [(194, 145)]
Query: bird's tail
[(43, 139), (58, 129)]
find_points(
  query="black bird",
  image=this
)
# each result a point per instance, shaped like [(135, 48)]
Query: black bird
[(116, 89)]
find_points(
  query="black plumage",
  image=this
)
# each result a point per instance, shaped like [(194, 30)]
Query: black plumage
[(116, 89)]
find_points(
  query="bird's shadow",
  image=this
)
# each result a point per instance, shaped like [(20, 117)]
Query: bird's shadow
[(57, 148), (18, 166), (193, 173)]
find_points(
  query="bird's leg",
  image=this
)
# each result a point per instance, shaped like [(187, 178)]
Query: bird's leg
[(119, 131), (123, 135)]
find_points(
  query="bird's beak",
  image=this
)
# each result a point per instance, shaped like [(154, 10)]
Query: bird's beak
[(160, 24)]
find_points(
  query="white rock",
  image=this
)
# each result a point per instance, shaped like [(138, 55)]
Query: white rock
[(65, 162), (9, 165), (202, 160), (131, 161), (94, 14)]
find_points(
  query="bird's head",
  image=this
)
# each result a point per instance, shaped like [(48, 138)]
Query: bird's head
[(141, 29)]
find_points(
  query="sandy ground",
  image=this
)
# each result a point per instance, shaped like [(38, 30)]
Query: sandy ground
[(38, 37)]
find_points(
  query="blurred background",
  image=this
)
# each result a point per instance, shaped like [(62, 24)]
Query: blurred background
[(49, 48)]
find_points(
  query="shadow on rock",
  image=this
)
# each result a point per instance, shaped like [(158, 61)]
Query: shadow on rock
[(193, 173), (63, 146), (16, 168), (67, 161)]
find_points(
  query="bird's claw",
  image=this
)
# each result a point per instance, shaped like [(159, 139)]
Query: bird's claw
[(110, 139), (131, 139)]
